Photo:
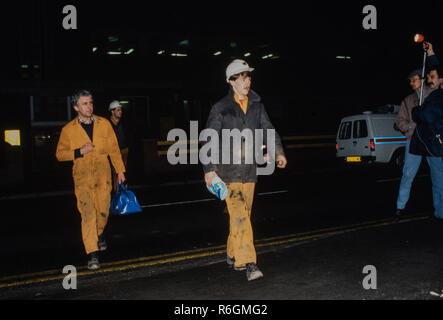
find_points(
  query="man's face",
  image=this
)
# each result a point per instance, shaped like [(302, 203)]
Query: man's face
[(84, 107), (415, 82), (433, 79), (242, 85), (117, 112)]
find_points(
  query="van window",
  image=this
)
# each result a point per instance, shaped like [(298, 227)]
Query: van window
[(345, 130), (360, 129)]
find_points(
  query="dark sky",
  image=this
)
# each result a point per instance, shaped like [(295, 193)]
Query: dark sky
[(309, 35)]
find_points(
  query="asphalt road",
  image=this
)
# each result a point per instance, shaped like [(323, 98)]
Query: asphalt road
[(315, 231)]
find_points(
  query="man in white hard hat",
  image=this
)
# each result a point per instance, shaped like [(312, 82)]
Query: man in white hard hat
[(240, 109), (116, 110)]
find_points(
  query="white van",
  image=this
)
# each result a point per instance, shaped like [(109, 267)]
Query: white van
[(370, 137)]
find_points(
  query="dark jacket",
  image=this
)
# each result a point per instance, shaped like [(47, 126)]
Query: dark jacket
[(120, 134), (227, 114), (432, 60), (429, 119)]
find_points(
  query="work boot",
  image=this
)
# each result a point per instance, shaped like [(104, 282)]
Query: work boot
[(231, 262), (253, 272), (93, 263), (102, 243), (399, 212)]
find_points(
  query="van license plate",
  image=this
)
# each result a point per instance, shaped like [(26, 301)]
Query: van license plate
[(353, 159)]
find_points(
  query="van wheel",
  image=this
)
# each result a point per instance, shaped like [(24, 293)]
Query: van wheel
[(398, 159)]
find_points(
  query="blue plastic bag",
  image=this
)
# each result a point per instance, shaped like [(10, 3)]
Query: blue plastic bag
[(218, 188), (124, 202)]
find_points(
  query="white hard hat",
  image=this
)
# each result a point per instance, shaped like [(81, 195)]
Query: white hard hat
[(114, 104), (237, 66)]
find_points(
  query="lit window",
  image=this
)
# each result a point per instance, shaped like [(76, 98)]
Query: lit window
[(12, 137)]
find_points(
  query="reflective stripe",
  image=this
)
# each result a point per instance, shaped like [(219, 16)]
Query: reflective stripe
[(386, 140)]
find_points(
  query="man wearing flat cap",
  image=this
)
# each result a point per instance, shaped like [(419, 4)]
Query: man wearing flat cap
[(407, 126)]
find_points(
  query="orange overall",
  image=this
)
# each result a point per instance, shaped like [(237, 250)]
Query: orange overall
[(241, 238), (239, 203), (92, 174)]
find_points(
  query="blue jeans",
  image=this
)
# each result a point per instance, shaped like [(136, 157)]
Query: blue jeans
[(436, 166), (410, 168)]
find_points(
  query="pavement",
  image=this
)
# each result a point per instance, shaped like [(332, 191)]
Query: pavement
[(315, 232), (322, 265)]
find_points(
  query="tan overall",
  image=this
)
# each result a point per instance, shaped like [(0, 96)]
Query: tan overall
[(239, 203), (92, 174), (241, 238)]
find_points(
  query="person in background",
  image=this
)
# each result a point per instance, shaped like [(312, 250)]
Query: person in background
[(428, 139), (116, 110), (407, 125)]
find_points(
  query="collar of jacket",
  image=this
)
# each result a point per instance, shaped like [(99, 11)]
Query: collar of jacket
[(93, 119), (252, 96)]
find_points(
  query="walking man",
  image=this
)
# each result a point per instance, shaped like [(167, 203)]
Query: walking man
[(116, 115), (240, 109), (88, 140)]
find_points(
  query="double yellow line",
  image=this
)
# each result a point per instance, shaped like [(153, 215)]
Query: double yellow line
[(131, 264)]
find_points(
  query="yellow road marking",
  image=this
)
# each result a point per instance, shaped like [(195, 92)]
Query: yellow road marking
[(308, 137), (167, 143), (210, 251), (310, 145)]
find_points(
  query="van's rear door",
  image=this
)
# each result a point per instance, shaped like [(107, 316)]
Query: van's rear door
[(360, 138), (353, 138), (344, 135)]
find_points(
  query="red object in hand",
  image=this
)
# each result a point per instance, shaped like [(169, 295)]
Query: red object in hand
[(419, 38)]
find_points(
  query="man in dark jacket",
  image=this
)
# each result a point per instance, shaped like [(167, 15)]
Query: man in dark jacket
[(116, 110), (428, 140), (241, 110)]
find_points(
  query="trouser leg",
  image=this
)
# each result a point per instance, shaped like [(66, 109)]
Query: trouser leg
[(241, 240), (103, 201), (436, 168), (410, 168), (88, 212)]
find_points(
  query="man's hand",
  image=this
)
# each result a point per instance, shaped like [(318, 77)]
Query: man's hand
[(121, 178), (281, 162), (86, 148), (209, 176), (428, 47)]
